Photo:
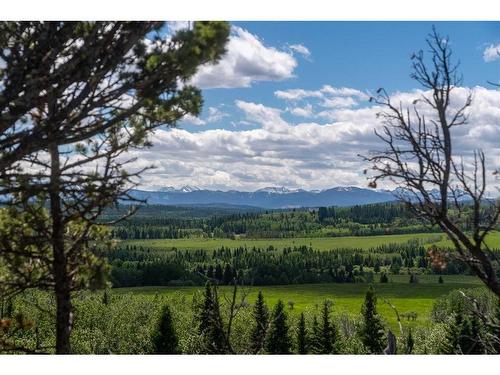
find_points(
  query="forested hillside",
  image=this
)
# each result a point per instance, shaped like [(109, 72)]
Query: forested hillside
[(157, 221)]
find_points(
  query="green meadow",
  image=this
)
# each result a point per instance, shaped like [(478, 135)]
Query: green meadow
[(347, 298), (322, 243)]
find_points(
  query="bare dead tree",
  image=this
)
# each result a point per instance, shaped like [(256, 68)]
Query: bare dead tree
[(435, 184)]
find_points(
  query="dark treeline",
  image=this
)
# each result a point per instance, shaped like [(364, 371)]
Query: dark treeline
[(140, 266), (158, 222)]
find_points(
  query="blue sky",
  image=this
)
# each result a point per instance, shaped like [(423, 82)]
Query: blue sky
[(288, 105), (361, 55)]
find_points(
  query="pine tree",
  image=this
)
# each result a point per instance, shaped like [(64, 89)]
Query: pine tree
[(315, 344), (470, 335), (451, 343), (218, 272), (302, 339), (327, 331), (462, 335), (440, 280), (372, 329), (165, 338), (206, 310), (228, 274), (278, 340), (261, 317), (210, 323), (84, 106)]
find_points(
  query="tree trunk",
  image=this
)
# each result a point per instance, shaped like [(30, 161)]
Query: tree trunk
[(60, 270)]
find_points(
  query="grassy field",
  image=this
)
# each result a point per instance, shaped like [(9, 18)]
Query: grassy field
[(493, 241), (347, 297), (324, 243)]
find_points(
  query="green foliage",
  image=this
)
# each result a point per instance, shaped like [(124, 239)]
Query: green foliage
[(326, 333), (302, 336), (156, 222), (165, 337), (463, 335), (261, 322), (372, 329), (278, 340), (456, 302), (210, 323)]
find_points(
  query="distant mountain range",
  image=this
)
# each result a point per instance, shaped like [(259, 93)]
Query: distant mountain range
[(270, 197)]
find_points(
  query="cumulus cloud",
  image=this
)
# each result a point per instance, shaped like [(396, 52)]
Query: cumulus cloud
[(491, 53), (247, 60), (301, 49), (326, 91), (297, 94), (310, 155), (306, 111), (339, 102), (269, 118), (193, 120), (215, 115)]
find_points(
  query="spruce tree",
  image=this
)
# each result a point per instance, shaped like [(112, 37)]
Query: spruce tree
[(462, 335), (278, 340), (372, 329), (165, 338), (206, 310), (327, 331), (440, 280), (210, 323), (315, 342), (470, 335), (228, 274), (261, 321), (302, 339), (451, 343)]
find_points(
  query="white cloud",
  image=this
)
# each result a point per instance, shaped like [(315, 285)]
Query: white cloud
[(307, 155), (491, 53), (306, 111), (247, 60), (297, 94), (344, 91), (193, 120), (269, 118), (339, 102), (301, 49), (215, 115), (326, 91)]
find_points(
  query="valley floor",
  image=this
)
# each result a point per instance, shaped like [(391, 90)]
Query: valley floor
[(347, 298)]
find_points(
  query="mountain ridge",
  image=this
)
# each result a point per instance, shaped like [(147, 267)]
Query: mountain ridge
[(269, 197)]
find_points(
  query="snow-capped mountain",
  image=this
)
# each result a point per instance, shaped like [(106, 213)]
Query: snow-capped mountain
[(270, 197), (277, 190), (184, 189)]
